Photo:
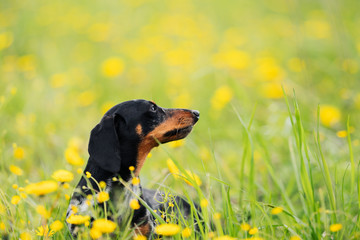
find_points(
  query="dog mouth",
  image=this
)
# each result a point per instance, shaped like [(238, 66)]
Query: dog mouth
[(177, 134)]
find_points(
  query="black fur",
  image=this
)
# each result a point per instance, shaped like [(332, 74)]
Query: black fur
[(114, 146)]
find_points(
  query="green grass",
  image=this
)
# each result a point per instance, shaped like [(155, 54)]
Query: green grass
[(276, 83)]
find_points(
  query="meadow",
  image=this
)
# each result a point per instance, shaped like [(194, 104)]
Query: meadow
[(275, 154)]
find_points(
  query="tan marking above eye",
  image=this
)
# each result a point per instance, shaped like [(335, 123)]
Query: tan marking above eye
[(138, 129)]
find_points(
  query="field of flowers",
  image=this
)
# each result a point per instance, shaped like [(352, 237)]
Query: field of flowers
[(275, 154)]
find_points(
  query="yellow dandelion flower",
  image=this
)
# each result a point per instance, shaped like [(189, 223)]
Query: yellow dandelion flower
[(276, 210), (42, 188), (6, 39), (272, 90), (40, 209), (63, 176), (95, 234), (295, 238), (16, 170), (269, 70), (176, 172), (66, 186), (102, 197), (26, 63), (169, 229), (86, 98), (67, 196), (23, 195), (19, 153), (104, 225), (2, 226), (88, 174), (112, 67), (318, 29), (217, 216), (335, 227), (245, 226), (135, 181), (204, 203), (44, 231), (13, 90), (106, 107), (341, 134), (75, 143), (233, 59), (222, 96), (139, 237), (58, 80), (102, 184), (21, 189), (25, 236), (149, 155), (186, 232), (15, 186), (134, 204), (56, 226), (74, 209), (79, 171), (253, 231), (178, 57), (329, 115), (114, 179), (193, 177), (172, 167), (225, 237), (132, 168), (72, 156), (78, 219), (99, 32), (176, 144), (15, 200)]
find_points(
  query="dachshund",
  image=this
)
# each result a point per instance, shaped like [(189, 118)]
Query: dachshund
[(120, 143)]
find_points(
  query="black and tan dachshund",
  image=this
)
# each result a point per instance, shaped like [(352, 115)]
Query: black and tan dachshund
[(123, 138)]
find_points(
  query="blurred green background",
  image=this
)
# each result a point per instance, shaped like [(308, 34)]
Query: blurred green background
[(64, 63)]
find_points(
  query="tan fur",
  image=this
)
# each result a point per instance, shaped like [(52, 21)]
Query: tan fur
[(138, 129), (143, 229), (178, 119)]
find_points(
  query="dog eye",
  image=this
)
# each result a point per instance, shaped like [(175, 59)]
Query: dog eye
[(153, 108)]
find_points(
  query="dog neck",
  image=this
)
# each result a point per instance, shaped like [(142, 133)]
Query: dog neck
[(144, 149), (135, 156)]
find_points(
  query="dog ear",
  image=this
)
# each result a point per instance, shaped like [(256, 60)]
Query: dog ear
[(104, 146)]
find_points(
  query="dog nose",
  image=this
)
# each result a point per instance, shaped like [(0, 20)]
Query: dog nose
[(196, 114)]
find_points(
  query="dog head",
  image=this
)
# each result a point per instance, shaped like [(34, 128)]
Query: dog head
[(129, 130)]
